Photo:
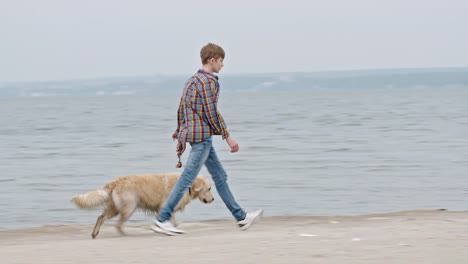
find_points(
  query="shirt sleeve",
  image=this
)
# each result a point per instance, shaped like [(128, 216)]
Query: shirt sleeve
[(208, 93), (180, 119)]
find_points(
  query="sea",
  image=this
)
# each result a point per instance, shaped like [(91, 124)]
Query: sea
[(309, 152)]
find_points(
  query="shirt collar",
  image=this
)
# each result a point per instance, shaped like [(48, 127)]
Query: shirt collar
[(208, 74)]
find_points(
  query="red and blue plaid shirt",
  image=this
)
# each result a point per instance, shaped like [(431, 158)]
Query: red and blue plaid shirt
[(198, 116)]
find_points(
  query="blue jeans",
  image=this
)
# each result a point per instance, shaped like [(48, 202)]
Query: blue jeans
[(202, 153)]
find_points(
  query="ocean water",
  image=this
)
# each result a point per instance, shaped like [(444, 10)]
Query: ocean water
[(315, 152)]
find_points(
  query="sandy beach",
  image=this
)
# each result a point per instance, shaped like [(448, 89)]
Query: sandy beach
[(401, 237)]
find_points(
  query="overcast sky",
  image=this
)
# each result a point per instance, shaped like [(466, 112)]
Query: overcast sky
[(66, 39)]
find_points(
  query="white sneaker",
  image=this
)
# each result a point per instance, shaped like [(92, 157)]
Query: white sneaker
[(249, 219), (166, 227)]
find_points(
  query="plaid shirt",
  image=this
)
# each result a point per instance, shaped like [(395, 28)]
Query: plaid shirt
[(198, 116)]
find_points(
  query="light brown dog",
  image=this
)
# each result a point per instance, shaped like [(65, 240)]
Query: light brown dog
[(147, 192)]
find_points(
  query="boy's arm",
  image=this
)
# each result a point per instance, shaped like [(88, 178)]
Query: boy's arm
[(213, 116), (180, 118)]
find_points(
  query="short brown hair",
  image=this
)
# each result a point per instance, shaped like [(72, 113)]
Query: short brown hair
[(209, 51)]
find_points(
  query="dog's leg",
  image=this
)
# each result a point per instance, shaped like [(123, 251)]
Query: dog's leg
[(106, 215), (124, 216)]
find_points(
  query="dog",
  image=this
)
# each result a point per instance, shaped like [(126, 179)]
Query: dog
[(148, 192)]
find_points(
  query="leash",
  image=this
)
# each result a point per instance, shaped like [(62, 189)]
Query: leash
[(179, 152), (179, 164)]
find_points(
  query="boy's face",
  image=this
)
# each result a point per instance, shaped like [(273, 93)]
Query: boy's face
[(217, 64)]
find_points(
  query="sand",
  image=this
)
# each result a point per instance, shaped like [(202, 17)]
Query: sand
[(402, 237)]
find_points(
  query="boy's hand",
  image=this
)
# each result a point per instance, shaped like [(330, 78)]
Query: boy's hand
[(180, 148), (232, 144)]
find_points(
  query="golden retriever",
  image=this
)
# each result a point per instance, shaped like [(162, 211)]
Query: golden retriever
[(148, 192)]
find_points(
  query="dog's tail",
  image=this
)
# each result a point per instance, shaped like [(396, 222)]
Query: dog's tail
[(92, 200)]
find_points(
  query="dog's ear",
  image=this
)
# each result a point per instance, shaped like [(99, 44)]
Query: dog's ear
[(198, 184)]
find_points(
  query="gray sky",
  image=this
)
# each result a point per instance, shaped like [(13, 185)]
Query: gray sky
[(60, 39)]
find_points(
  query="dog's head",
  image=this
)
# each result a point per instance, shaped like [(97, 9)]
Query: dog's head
[(201, 189)]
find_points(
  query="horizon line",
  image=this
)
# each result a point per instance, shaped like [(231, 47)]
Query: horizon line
[(179, 75)]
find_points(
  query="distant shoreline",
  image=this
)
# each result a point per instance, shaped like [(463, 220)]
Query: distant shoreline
[(294, 81), (364, 71)]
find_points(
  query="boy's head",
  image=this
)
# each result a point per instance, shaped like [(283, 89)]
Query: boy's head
[(212, 57)]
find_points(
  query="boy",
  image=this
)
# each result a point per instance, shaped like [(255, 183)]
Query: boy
[(198, 120)]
